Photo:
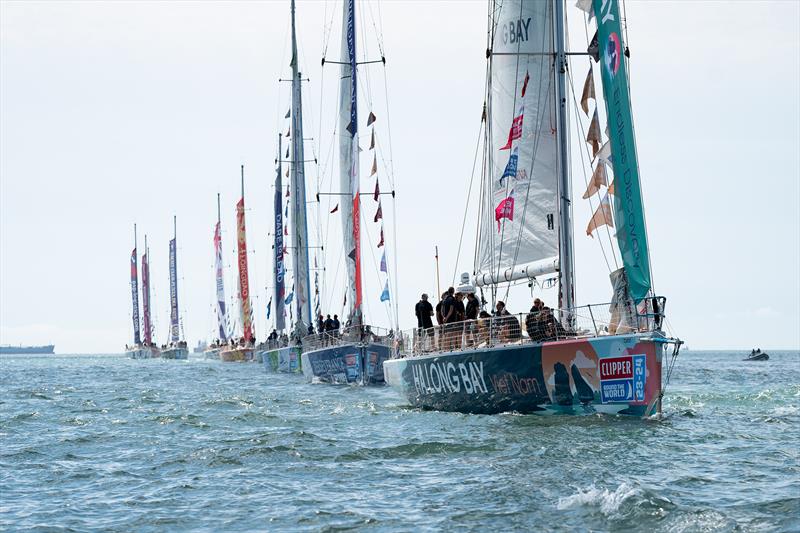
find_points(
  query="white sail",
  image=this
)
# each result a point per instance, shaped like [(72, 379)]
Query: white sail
[(348, 160), (519, 216)]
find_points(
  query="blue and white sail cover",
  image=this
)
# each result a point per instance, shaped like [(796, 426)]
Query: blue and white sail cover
[(519, 215)]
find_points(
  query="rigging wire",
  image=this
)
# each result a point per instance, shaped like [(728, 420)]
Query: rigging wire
[(469, 196)]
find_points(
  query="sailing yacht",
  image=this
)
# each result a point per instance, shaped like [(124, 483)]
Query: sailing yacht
[(243, 350), (279, 355), (599, 358), (177, 348), (137, 350), (147, 321), (354, 354), (213, 350)]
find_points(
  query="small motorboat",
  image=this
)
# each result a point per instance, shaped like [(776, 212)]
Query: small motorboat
[(757, 355)]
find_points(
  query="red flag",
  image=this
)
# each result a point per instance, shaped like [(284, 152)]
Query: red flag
[(287, 189), (335, 208), (379, 213), (516, 129), (286, 230), (525, 84), (377, 190), (505, 209), (381, 243)]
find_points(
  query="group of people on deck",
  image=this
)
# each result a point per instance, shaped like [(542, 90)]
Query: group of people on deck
[(461, 324)]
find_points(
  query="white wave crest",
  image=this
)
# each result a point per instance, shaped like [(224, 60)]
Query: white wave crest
[(608, 501)]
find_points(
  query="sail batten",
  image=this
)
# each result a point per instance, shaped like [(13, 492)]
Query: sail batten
[(520, 225)]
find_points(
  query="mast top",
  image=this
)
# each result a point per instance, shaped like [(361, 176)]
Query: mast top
[(218, 210), (242, 181)]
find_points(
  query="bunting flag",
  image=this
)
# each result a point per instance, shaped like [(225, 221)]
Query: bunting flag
[(372, 140), (598, 178), (287, 175), (594, 137), (381, 243), (377, 191), (601, 217), (588, 91), (594, 48), (344, 302), (374, 166), (335, 208), (286, 210), (269, 307), (352, 254), (383, 263), (288, 132), (516, 129), (604, 155), (525, 83), (385, 293), (289, 298), (287, 187), (511, 166), (379, 213), (287, 153), (505, 209), (286, 231), (586, 6), (371, 118), (288, 113), (611, 189)]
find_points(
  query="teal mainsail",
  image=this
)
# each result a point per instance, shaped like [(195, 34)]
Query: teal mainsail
[(628, 211)]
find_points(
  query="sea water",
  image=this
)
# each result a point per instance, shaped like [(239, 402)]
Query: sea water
[(107, 443)]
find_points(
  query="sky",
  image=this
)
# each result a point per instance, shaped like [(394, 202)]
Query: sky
[(115, 113)]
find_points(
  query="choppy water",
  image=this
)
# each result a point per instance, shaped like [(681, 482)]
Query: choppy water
[(107, 443)]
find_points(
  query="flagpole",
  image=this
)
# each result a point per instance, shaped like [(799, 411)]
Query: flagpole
[(438, 287)]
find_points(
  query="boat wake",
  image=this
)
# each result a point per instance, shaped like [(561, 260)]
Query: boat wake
[(607, 501)]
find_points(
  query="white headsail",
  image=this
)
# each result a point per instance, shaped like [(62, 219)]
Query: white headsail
[(519, 233)]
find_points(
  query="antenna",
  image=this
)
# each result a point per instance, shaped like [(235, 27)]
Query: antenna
[(242, 181), (218, 210)]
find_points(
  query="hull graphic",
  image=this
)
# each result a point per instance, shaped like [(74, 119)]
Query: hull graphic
[(613, 375), (284, 360), (347, 363)]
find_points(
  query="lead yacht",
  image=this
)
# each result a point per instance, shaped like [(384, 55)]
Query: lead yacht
[(574, 359)]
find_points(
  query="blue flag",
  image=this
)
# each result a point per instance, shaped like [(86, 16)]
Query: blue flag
[(383, 263), (289, 298), (511, 166), (269, 307), (385, 293)]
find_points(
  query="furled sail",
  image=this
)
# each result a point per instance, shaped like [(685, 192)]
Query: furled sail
[(348, 162), (300, 264), (222, 319), (280, 272), (244, 285), (137, 339), (174, 320), (519, 227), (628, 210), (148, 327)]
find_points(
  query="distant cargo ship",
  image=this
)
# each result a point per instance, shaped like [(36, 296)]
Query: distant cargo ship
[(10, 350)]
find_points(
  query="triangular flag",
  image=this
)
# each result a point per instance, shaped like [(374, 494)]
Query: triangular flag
[(287, 152), (594, 137), (374, 166), (350, 129), (269, 307), (605, 153), (588, 91), (344, 302), (594, 48), (601, 217), (586, 6), (516, 129), (371, 118), (504, 209), (287, 189), (286, 210), (598, 179), (335, 209), (385, 293), (525, 83), (352, 254), (379, 213), (287, 175), (383, 262), (611, 189), (289, 298), (381, 243), (288, 113), (372, 140), (286, 230), (377, 190), (511, 167), (288, 132)]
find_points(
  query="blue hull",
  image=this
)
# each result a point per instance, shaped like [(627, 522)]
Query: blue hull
[(346, 363), (284, 360), (613, 375)]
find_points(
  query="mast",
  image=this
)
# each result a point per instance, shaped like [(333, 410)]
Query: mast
[(135, 291), (566, 259), (302, 276), (244, 284), (173, 283), (148, 328), (280, 272)]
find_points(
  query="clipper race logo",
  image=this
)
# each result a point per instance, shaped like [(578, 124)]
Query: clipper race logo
[(612, 56)]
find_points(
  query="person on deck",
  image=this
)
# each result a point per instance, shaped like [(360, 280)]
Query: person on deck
[(533, 321), (336, 325), (424, 311)]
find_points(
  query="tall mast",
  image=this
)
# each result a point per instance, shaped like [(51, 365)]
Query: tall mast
[(219, 218), (173, 283), (302, 276), (566, 259), (135, 290)]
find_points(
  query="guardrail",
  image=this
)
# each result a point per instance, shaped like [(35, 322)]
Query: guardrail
[(595, 320), (349, 335)]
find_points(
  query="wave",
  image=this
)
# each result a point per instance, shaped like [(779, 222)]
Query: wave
[(607, 501)]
